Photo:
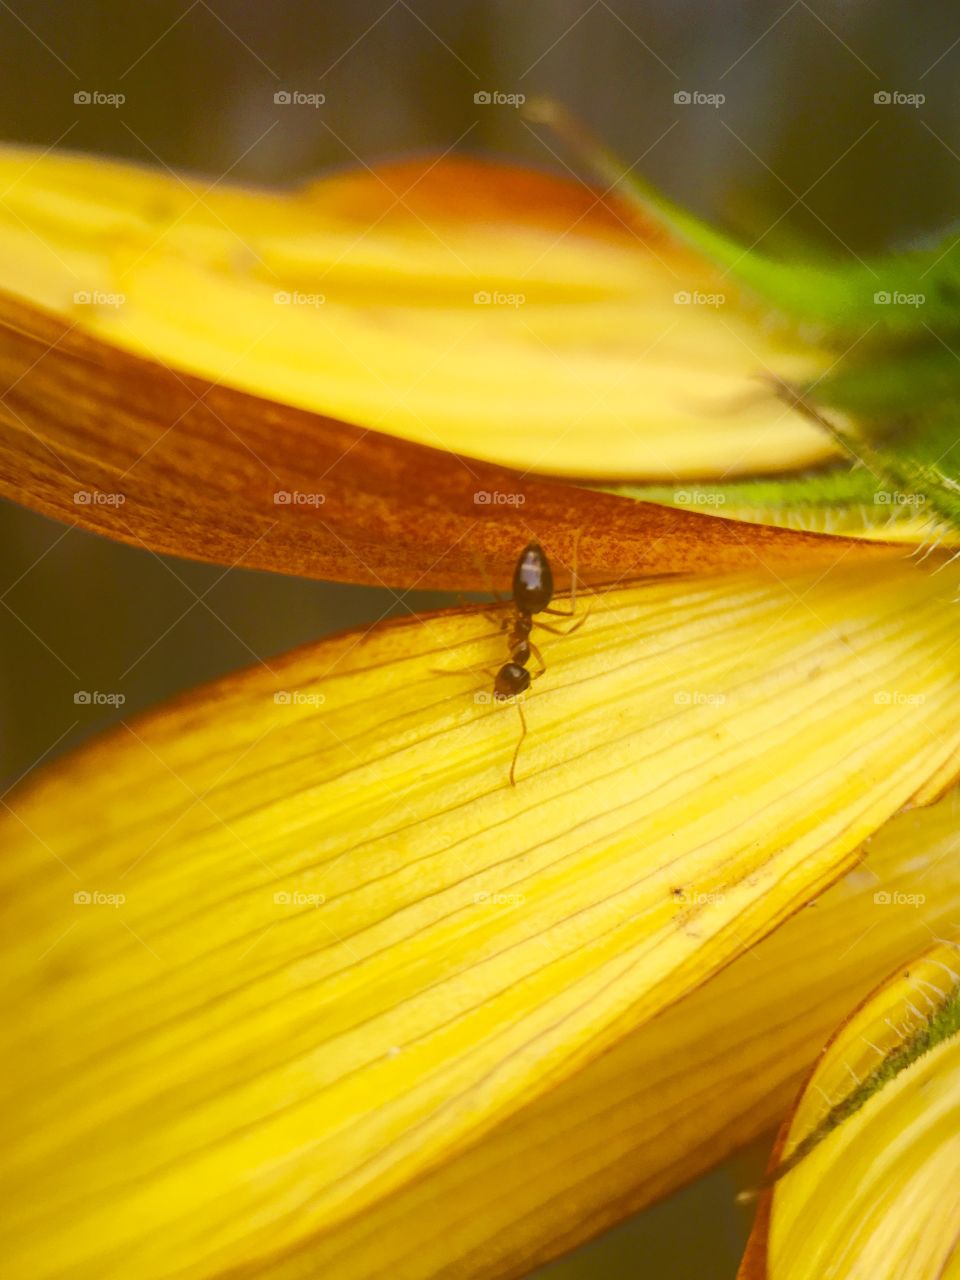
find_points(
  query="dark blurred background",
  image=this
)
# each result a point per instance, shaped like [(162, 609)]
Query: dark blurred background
[(798, 151)]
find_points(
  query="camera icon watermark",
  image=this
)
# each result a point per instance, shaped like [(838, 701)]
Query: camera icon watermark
[(697, 898), (95, 98), (296, 498), (897, 498), (298, 698), (296, 898), (698, 498), (97, 498), (897, 698), (896, 98), (486, 697), (494, 498), (294, 98), (484, 898), (98, 298), (897, 898), (896, 298), (695, 98), (94, 698), (496, 98), (497, 298), (86, 898), (295, 298), (697, 298), (698, 698)]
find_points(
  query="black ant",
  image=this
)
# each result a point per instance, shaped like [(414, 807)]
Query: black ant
[(532, 593)]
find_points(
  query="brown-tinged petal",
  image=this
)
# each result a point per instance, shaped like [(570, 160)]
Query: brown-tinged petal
[(132, 449)]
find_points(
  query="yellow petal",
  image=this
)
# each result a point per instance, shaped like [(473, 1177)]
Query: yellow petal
[(878, 1194), (671, 1099), (479, 308), (207, 1074)]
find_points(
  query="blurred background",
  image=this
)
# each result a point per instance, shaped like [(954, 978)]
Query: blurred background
[(799, 150)]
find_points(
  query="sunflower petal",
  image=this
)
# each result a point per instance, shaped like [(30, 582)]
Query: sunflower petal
[(873, 1147), (270, 960), (474, 307), (671, 1099), (95, 436)]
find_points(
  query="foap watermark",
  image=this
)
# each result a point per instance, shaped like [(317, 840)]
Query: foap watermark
[(897, 98), (298, 698), (296, 498), (483, 698), (897, 698), (698, 498), (297, 898), (294, 298), (497, 98), (698, 698), (696, 298), (896, 298), (98, 298), (95, 898), (484, 898), (296, 98), (97, 498), (894, 498), (696, 98), (494, 498), (95, 698), (697, 898), (496, 298), (897, 898), (97, 98)]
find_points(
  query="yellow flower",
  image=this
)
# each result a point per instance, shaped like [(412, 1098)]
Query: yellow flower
[(295, 979), (868, 1183)]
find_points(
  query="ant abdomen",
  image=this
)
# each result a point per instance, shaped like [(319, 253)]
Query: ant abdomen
[(532, 580)]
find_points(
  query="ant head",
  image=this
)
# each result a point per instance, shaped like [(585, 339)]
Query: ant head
[(511, 679)]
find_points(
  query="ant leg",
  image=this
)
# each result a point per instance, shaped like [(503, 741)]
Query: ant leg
[(559, 631), (539, 657), (483, 572), (485, 610), (464, 671), (564, 631), (523, 734), (563, 613), (501, 619)]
